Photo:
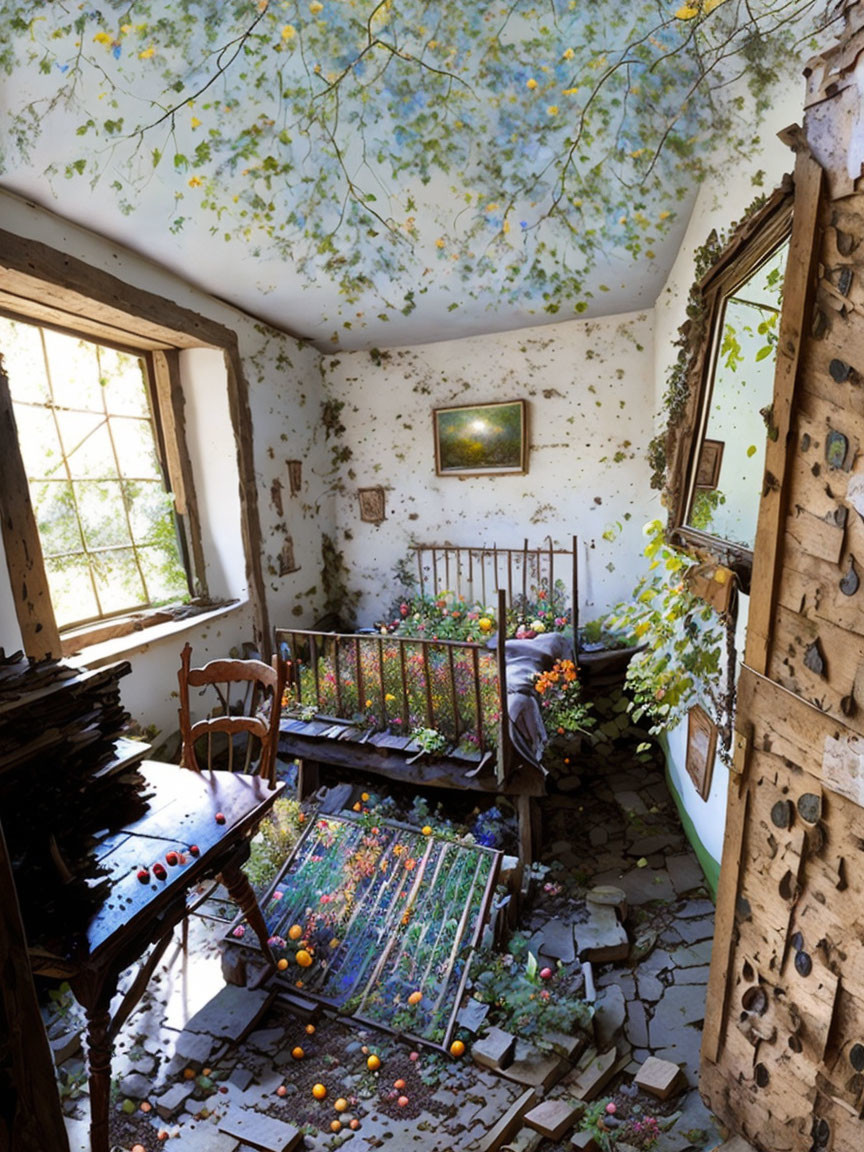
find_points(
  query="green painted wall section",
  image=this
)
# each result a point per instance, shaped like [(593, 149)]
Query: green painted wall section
[(709, 865)]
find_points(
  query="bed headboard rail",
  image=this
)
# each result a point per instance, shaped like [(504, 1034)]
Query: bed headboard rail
[(480, 573)]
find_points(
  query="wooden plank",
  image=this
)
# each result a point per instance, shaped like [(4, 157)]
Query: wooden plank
[(250, 521), (797, 296), (17, 307), (172, 418), (36, 271), (814, 535), (842, 654), (30, 1119), (40, 637)]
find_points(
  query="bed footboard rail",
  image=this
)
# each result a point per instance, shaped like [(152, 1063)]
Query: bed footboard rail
[(396, 684)]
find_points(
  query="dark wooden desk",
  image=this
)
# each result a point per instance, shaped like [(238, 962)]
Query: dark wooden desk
[(136, 914)]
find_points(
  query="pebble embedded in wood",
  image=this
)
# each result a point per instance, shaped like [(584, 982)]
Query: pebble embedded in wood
[(851, 582), (844, 280), (782, 814), (814, 658), (840, 371), (803, 964), (856, 1057), (836, 449), (810, 807)]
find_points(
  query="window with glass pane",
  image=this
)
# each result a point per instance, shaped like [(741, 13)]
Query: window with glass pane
[(88, 441)]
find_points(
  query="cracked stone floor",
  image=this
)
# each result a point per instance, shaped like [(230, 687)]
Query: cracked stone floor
[(201, 1088)]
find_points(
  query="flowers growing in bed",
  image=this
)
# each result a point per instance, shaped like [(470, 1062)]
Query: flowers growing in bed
[(430, 741), (386, 685), (561, 704)]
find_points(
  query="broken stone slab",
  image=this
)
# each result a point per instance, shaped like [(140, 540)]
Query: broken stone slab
[(610, 1010), (641, 884), (535, 1069), (602, 940), (525, 1140), (260, 1132), (472, 1015), (636, 1028), (509, 1124), (588, 977), (267, 1040), (649, 986), (552, 1118), (598, 836), (693, 975), (736, 1144), (557, 941), (205, 1137), (232, 1013), (585, 1142), (136, 1086), (495, 1050), (685, 872), (307, 1011), (692, 931), (609, 894), (241, 1078), (693, 956), (648, 845), (570, 1047), (172, 1101), (631, 802), (659, 1078), (194, 1047), (592, 1074), (65, 1045), (694, 908)]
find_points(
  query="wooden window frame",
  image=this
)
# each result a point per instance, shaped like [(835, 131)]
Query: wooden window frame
[(43, 286), (164, 394), (750, 245)]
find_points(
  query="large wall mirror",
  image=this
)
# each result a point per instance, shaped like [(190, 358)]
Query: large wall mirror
[(730, 417)]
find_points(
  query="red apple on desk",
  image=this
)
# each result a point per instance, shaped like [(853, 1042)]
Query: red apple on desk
[(144, 875), (171, 858), (159, 871), (220, 817), (194, 850)]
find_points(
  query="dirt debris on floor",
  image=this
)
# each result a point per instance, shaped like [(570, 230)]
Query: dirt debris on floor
[(618, 910)]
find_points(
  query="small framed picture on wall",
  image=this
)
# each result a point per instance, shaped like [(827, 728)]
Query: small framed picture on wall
[(481, 439)]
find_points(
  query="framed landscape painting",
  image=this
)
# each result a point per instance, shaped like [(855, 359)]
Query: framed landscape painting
[(481, 439)]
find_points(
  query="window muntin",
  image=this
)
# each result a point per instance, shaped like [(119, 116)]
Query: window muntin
[(89, 444)]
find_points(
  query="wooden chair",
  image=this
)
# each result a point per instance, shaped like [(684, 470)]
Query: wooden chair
[(257, 686), (252, 714)]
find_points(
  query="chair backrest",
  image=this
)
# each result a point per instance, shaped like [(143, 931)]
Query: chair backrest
[(253, 711)]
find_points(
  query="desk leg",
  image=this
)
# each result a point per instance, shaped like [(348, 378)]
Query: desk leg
[(99, 1047), (239, 889)]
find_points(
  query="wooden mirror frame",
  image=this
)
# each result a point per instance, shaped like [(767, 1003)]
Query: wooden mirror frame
[(751, 243)]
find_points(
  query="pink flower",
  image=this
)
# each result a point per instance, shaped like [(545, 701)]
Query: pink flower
[(610, 1108), (239, 931)]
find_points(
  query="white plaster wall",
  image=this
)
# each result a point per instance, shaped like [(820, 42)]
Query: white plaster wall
[(590, 392), (718, 205), (284, 401)]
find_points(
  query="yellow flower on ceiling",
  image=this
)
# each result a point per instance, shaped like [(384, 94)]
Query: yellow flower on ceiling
[(315, 7), (289, 32), (531, 84), (102, 38), (195, 122), (195, 181), (552, 110), (440, 242), (147, 53), (569, 54)]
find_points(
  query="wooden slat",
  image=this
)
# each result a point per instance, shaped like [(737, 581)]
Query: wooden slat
[(799, 286)]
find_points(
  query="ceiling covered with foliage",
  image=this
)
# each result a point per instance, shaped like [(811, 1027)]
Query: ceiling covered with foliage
[(365, 173)]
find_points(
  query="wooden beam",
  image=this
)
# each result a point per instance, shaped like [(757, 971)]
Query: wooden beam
[(250, 522), (799, 286), (39, 635), (172, 417)]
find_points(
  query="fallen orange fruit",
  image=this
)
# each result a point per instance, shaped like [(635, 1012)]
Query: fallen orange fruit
[(457, 1048), (373, 1063), (282, 964), (298, 1053), (295, 932), (303, 958), (335, 1125), (310, 1029), (341, 1104), (415, 997), (319, 1091)]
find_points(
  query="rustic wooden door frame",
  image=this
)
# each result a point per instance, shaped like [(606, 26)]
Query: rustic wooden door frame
[(798, 294), (61, 289)]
